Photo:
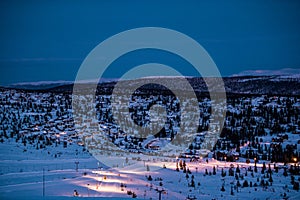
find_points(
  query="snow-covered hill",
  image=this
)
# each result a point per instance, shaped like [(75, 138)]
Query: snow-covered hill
[(285, 72), (22, 178)]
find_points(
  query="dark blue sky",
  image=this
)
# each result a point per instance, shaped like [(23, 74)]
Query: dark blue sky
[(48, 40)]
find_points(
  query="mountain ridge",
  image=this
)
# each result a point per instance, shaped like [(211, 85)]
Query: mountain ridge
[(276, 84)]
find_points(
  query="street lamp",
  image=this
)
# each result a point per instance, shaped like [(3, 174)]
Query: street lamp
[(76, 163), (159, 192)]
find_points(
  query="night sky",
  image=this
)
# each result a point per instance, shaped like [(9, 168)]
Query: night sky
[(48, 40)]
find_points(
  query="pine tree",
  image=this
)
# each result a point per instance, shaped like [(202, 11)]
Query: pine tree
[(184, 164), (285, 172), (264, 166), (181, 165), (214, 170), (271, 179), (177, 169), (269, 169), (255, 167), (262, 170), (223, 174), (186, 175), (238, 170), (192, 182), (245, 184), (223, 189), (236, 177), (189, 171), (292, 180), (296, 186), (275, 168), (262, 182)]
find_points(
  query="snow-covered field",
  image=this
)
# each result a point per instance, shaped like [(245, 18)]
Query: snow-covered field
[(42, 153), (22, 177)]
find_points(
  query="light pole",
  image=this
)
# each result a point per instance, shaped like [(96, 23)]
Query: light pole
[(76, 163), (43, 182), (97, 182), (159, 192)]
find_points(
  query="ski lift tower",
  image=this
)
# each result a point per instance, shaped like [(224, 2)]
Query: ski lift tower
[(159, 191)]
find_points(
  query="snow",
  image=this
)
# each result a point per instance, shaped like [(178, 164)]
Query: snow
[(21, 167), (22, 176)]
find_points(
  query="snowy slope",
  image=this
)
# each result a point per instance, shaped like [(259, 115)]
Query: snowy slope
[(22, 177)]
